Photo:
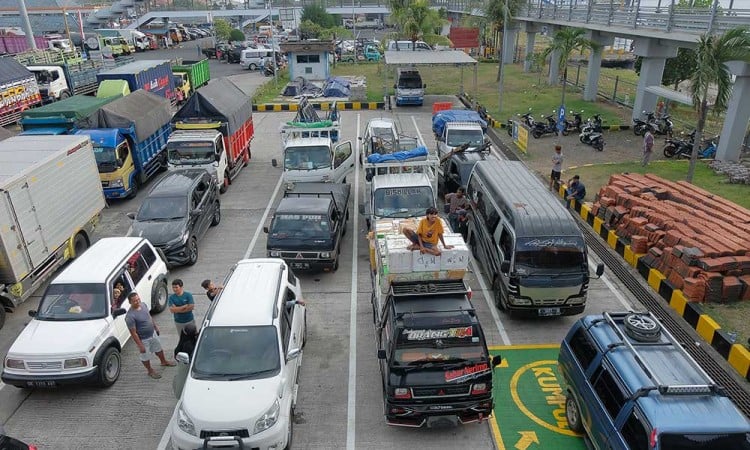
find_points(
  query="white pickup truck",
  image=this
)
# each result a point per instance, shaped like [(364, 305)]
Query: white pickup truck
[(456, 127)]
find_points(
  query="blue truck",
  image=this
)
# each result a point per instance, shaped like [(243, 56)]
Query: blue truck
[(154, 76), (61, 117), (129, 137)]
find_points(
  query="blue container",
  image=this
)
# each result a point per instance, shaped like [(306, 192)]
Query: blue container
[(154, 76)]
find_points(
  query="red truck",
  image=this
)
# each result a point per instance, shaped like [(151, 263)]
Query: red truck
[(19, 90), (213, 130)]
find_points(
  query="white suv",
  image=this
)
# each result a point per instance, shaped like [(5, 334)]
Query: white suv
[(78, 332), (241, 387)]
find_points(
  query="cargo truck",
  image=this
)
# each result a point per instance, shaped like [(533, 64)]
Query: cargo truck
[(213, 130), (13, 44), (137, 41), (57, 82), (189, 76), (50, 203), (18, 90), (154, 76), (433, 357), (61, 117), (129, 136), (456, 127)]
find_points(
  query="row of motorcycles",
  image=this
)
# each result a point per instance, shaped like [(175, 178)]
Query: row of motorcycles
[(683, 148), (589, 132), (659, 125)]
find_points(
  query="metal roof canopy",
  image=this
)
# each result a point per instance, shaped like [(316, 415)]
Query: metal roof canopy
[(456, 58), (670, 94)]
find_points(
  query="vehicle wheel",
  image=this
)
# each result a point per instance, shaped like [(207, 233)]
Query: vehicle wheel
[(510, 130), (217, 215), (537, 134), (2, 315), (304, 334), (109, 367), (565, 132), (599, 145), (290, 430), (133, 189), (343, 181), (192, 251), (374, 311), (573, 414), (669, 151), (64, 95), (642, 328), (224, 186), (252, 66), (246, 157), (80, 244), (335, 266), (639, 130), (159, 296)]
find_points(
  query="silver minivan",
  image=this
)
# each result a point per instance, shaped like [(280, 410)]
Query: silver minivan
[(253, 58)]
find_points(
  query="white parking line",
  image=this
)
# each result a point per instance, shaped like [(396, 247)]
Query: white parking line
[(490, 303), (414, 121), (2, 385), (625, 304), (352, 390), (165, 436)]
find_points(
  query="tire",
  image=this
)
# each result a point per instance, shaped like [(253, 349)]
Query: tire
[(565, 132), (217, 215), (374, 311), (80, 244), (110, 365), (159, 296), (192, 250), (598, 145), (304, 334), (510, 129), (2, 315), (582, 139), (669, 150), (642, 327), (133, 189), (252, 66), (224, 186), (290, 430), (537, 134), (639, 130), (573, 414), (335, 265), (64, 95)]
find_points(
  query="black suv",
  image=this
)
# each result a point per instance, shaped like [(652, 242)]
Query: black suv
[(177, 213), (434, 361)]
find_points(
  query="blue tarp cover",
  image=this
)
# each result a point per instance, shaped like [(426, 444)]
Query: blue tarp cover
[(456, 115), (398, 156), (336, 87)]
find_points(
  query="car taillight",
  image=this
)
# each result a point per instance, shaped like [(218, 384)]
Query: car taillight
[(32, 447), (402, 393), (468, 294), (479, 389), (652, 439)]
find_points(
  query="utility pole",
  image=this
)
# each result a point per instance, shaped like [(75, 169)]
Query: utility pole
[(26, 25)]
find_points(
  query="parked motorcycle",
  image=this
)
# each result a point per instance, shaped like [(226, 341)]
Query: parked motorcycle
[(683, 148), (540, 129), (528, 120), (591, 133), (658, 126), (573, 125)]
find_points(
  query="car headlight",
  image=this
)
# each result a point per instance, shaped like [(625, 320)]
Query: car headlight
[(14, 364), (184, 423), (274, 253), (269, 418), (117, 182), (178, 241), (518, 301), (325, 255), (576, 300), (75, 363)]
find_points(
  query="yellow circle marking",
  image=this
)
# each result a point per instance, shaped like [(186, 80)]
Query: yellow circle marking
[(517, 399)]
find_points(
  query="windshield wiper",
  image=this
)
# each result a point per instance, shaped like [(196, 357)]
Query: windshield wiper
[(395, 213), (250, 375)]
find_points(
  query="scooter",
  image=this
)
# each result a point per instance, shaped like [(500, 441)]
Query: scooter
[(591, 131), (683, 148), (574, 125), (541, 129), (528, 120)]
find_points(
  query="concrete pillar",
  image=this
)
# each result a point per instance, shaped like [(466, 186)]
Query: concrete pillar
[(594, 65), (527, 60), (554, 68), (655, 53), (738, 113), (509, 44)]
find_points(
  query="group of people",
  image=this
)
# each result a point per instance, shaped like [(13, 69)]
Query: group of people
[(575, 189)]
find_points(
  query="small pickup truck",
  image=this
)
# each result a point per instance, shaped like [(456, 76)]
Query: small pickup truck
[(309, 224)]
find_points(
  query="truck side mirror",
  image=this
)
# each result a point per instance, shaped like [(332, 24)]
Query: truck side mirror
[(265, 230), (394, 86), (118, 312), (496, 360), (381, 354), (505, 266), (32, 313), (368, 176), (182, 358), (131, 215), (599, 270), (424, 86)]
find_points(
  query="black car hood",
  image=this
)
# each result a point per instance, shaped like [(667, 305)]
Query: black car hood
[(159, 232), (293, 243)]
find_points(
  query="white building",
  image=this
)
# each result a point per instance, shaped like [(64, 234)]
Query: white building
[(309, 59)]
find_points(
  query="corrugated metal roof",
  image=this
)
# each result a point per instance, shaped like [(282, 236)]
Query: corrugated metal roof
[(417, 58), (41, 23), (528, 203)]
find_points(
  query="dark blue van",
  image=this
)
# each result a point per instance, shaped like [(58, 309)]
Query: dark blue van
[(631, 385)]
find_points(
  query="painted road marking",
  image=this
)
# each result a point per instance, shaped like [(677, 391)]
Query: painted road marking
[(530, 401), (351, 405)]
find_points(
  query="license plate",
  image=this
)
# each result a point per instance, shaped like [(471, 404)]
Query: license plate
[(548, 312), (440, 407), (300, 265), (41, 384)]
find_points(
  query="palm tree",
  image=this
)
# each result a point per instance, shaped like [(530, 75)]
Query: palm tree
[(565, 42), (712, 54), (497, 13), (415, 19)]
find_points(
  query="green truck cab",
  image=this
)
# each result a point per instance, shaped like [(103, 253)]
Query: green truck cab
[(189, 76)]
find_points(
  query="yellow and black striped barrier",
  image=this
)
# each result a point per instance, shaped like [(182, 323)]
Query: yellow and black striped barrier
[(323, 106)]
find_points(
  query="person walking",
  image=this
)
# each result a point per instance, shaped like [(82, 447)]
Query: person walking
[(648, 147), (456, 203), (145, 334), (212, 290), (181, 305), (557, 161), (575, 191)]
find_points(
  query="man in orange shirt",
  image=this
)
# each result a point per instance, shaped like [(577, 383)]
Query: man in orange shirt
[(429, 232)]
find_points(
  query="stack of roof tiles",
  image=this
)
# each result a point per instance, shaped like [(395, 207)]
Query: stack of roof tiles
[(699, 241)]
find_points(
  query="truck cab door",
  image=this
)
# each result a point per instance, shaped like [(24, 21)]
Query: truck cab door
[(343, 161), (125, 161), (221, 159)]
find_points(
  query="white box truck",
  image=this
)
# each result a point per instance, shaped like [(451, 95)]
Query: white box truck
[(50, 202)]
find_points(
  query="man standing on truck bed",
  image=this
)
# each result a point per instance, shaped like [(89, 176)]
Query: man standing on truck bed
[(429, 231)]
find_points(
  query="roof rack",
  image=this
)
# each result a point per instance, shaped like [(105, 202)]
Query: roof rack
[(423, 289), (663, 388)]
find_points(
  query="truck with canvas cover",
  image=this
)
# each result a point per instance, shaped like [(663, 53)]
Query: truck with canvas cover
[(61, 117), (113, 88), (50, 202), (432, 353), (129, 136), (60, 81), (308, 226), (213, 130), (455, 127), (154, 76), (189, 76), (18, 91), (311, 149)]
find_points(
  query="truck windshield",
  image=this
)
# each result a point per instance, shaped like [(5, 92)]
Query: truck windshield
[(300, 226), (566, 254), (403, 201), (188, 153), (73, 302), (736, 441), (162, 208), (460, 137), (307, 158), (410, 83), (237, 353), (106, 159)]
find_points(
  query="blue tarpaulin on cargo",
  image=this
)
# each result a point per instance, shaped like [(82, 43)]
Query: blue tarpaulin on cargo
[(398, 156), (336, 87), (456, 115)]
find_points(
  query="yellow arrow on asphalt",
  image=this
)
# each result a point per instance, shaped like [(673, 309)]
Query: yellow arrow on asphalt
[(527, 438), (504, 364)]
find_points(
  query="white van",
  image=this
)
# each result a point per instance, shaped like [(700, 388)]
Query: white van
[(241, 386), (252, 58), (421, 46), (79, 330)]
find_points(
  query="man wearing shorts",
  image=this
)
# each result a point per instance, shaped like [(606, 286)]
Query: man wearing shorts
[(429, 232), (145, 334), (557, 161)]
